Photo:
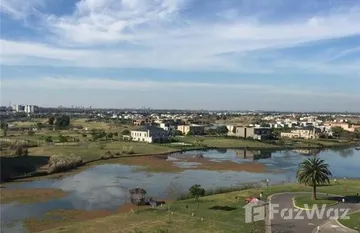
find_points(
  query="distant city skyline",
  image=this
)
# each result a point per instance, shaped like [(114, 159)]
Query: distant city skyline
[(281, 55)]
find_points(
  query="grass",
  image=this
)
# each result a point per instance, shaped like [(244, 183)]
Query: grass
[(301, 201), (220, 213), (94, 150), (353, 222), (222, 142)]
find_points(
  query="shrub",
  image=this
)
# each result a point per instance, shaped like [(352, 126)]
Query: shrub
[(127, 150), (125, 132), (59, 163), (21, 150), (107, 155)]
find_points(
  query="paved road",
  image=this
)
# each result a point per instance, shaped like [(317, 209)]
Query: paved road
[(305, 225)]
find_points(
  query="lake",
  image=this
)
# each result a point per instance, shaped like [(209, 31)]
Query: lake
[(105, 187)]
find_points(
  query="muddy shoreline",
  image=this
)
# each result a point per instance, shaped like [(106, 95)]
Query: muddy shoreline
[(94, 162)]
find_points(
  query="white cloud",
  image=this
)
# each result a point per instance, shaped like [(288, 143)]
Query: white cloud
[(155, 34), (19, 9)]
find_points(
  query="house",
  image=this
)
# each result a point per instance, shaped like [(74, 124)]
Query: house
[(305, 133), (346, 126), (194, 129), (149, 134), (140, 122), (248, 132)]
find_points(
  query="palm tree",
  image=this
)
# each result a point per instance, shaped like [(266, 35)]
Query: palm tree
[(313, 171)]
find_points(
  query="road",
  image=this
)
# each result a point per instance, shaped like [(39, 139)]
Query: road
[(279, 224)]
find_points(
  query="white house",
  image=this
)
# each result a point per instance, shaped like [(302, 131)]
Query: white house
[(149, 134)]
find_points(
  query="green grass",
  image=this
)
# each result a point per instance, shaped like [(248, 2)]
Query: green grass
[(353, 222), (222, 142), (301, 201), (94, 150), (232, 220)]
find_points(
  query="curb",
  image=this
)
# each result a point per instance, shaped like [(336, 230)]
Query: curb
[(327, 205)]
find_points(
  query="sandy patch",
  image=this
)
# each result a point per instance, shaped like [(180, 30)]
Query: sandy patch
[(30, 195), (162, 164)]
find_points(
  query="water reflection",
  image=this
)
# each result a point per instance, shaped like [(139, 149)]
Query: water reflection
[(106, 186)]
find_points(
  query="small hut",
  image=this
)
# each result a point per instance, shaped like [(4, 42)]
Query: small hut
[(137, 196)]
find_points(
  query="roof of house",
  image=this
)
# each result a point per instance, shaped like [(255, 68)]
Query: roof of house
[(145, 128)]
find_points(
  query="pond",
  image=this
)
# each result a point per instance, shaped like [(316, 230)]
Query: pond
[(105, 187)]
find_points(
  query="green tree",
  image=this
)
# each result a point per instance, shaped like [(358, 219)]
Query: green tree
[(313, 172), (48, 139), (357, 133), (196, 192), (337, 131), (39, 125), (62, 122), (110, 135), (51, 120), (125, 132), (222, 130), (62, 138), (4, 126)]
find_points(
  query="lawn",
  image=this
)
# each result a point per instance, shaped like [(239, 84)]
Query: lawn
[(222, 142), (353, 222), (301, 201), (216, 213), (94, 150)]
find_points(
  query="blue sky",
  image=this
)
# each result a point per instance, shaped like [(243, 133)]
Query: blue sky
[(194, 54)]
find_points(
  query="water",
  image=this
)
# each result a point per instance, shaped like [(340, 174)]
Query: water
[(106, 186)]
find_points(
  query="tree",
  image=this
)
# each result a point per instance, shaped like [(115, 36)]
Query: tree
[(222, 130), (196, 192), (4, 126), (62, 138), (313, 172), (125, 132), (190, 133), (337, 130), (51, 120), (48, 139), (110, 135), (116, 134), (357, 133), (62, 122), (39, 125)]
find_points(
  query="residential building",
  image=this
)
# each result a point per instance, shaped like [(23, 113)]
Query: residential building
[(301, 133), (194, 129), (248, 132), (346, 126), (31, 108), (149, 134), (146, 121), (18, 108)]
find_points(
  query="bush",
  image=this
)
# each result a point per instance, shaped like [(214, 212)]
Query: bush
[(21, 150), (59, 163), (127, 150), (107, 155), (125, 132)]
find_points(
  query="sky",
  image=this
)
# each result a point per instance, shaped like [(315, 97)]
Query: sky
[(283, 55)]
